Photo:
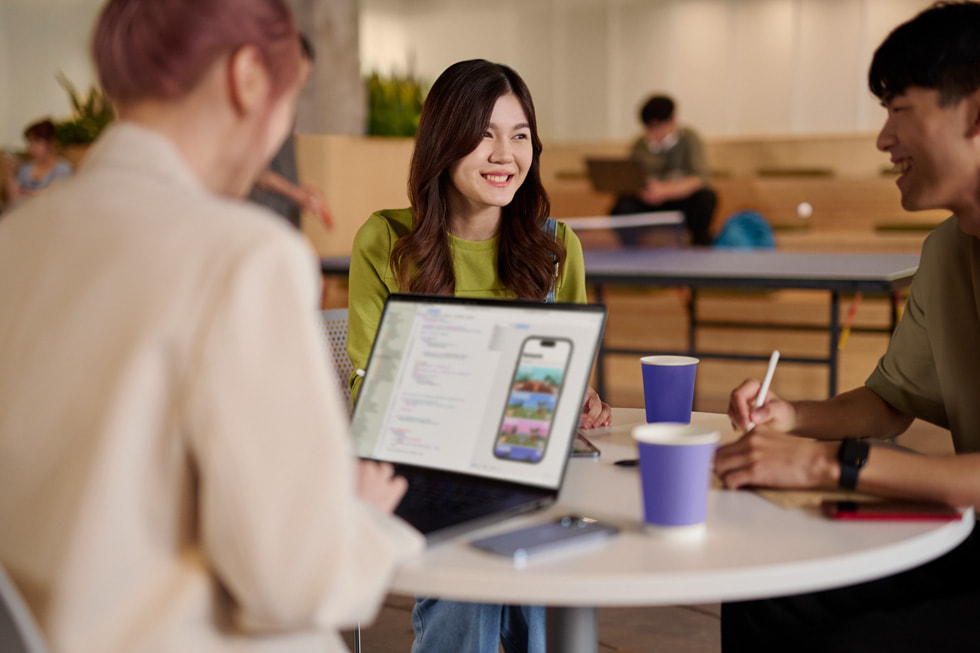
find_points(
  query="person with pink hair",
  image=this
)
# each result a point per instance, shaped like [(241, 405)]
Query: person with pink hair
[(175, 466)]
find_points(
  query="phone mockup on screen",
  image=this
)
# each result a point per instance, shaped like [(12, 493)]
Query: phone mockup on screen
[(534, 392)]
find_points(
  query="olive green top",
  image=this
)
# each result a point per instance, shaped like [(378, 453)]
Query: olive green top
[(932, 366), (685, 158), (474, 263)]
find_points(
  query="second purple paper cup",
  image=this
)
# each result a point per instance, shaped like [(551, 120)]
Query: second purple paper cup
[(675, 473), (668, 387)]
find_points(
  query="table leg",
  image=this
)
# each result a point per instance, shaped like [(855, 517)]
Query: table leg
[(571, 630)]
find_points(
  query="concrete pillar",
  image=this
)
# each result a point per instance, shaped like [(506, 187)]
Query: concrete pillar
[(334, 100)]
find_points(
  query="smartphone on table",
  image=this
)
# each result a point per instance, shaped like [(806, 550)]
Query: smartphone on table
[(889, 509), (535, 388), (560, 533)]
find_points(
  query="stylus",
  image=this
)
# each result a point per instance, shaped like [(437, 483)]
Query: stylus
[(766, 382)]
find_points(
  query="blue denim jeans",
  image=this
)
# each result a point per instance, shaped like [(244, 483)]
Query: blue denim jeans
[(457, 627)]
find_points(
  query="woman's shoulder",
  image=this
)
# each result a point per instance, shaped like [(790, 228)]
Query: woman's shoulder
[(395, 222), (566, 234)]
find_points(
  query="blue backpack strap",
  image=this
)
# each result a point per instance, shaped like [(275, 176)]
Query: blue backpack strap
[(551, 228)]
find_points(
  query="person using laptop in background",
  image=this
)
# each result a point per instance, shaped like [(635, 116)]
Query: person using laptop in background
[(927, 75), (676, 171), (158, 492), (477, 227)]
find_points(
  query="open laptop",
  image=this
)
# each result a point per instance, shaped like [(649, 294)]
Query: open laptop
[(618, 176), (476, 402)]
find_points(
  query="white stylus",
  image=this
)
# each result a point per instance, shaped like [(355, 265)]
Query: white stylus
[(766, 382)]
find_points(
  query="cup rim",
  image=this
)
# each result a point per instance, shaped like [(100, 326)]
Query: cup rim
[(675, 433), (669, 360)]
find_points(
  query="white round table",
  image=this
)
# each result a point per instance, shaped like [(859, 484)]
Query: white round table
[(751, 548)]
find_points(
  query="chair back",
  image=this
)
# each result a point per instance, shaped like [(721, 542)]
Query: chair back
[(334, 323), (19, 632)]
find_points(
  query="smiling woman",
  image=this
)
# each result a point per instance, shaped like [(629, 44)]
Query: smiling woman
[(478, 227)]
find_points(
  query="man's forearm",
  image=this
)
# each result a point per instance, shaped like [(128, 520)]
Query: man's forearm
[(858, 413)]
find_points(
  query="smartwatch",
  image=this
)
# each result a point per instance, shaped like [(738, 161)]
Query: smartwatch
[(852, 455)]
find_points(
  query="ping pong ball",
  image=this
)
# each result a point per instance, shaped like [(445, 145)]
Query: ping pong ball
[(804, 210)]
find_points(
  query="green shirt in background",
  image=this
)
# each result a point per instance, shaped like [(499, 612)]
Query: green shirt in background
[(474, 264), (931, 369), (685, 158)]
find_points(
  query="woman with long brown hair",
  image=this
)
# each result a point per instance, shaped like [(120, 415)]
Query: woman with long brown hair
[(478, 226)]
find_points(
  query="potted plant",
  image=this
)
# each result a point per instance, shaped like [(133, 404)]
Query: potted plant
[(394, 105), (91, 114)]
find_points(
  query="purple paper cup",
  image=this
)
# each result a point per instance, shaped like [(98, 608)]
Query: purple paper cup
[(668, 387), (675, 473)]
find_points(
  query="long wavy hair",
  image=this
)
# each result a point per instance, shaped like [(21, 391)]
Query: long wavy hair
[(454, 117)]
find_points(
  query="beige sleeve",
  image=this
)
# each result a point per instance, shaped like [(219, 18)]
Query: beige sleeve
[(279, 520)]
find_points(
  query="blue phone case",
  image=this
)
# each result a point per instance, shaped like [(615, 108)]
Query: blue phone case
[(550, 536)]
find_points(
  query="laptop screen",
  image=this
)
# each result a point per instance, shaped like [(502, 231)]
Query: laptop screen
[(483, 387)]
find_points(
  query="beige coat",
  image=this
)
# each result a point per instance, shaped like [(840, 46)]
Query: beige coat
[(175, 467)]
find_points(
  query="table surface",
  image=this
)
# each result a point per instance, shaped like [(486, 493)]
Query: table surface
[(751, 548), (741, 268)]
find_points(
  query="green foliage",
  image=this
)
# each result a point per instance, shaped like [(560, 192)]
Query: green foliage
[(90, 115), (394, 105)]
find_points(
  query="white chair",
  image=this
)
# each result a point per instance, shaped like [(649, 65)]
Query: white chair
[(19, 632), (335, 331)]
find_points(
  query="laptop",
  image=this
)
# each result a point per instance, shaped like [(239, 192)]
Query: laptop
[(618, 176), (476, 402)]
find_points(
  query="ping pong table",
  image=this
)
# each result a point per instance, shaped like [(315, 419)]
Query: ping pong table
[(697, 269)]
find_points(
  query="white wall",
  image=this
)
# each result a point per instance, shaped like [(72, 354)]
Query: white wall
[(735, 66), (37, 39)]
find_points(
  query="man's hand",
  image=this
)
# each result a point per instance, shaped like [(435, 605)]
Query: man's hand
[(775, 412), (768, 458)]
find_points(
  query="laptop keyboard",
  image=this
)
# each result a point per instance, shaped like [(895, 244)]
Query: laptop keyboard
[(435, 501)]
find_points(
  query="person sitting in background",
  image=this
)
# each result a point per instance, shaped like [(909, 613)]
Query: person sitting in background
[(478, 227), (677, 175), (278, 188), (42, 167), (176, 471), (927, 75)]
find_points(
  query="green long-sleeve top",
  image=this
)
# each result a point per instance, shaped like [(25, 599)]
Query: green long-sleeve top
[(474, 264)]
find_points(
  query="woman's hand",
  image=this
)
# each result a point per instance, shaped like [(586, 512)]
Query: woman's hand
[(378, 485), (595, 413)]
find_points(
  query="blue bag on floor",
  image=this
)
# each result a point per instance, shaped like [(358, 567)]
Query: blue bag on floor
[(745, 230)]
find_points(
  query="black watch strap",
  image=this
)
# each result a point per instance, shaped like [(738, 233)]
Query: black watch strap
[(852, 455)]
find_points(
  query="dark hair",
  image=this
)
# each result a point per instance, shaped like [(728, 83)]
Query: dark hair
[(306, 47), (938, 49), (657, 109), (454, 117), (42, 130), (161, 48)]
